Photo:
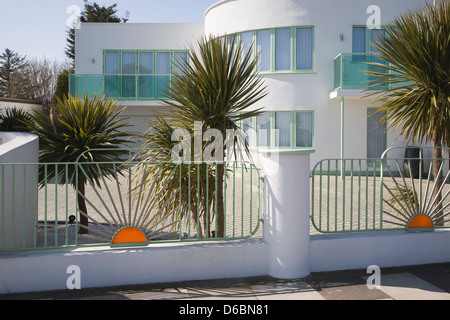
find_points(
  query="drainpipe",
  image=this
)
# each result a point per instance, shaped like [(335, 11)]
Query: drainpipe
[(342, 135)]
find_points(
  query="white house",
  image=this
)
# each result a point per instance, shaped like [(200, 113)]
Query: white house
[(313, 54)]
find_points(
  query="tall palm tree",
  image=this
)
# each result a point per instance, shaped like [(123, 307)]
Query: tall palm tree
[(75, 132), (416, 51), (216, 87)]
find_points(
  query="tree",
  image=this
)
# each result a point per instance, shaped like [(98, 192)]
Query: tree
[(416, 51), (10, 63), (36, 80), (88, 124), (216, 88), (93, 13)]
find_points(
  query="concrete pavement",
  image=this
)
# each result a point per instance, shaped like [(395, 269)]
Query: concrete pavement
[(425, 282)]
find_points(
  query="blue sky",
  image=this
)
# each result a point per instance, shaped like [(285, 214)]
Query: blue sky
[(37, 28)]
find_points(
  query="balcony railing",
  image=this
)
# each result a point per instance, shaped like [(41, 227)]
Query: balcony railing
[(351, 72), (125, 87)]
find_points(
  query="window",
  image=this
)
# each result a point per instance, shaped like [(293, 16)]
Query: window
[(132, 74), (376, 134), (304, 57), (281, 130), (364, 39), (263, 45), (282, 50)]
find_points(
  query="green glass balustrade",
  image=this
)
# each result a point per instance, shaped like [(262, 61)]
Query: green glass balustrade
[(126, 87)]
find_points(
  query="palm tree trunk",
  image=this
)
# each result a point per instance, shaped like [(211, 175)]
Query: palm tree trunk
[(84, 221), (220, 203), (438, 177)]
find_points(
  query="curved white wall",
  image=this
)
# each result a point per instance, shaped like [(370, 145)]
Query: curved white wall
[(310, 91)]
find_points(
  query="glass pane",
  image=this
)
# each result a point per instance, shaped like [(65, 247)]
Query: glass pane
[(247, 127), (376, 37), (263, 129), (359, 39), (161, 86), (112, 86), (247, 42), (146, 87), (129, 86), (304, 49), (282, 129), (283, 49), (304, 129), (111, 63), (179, 61), (163, 63), (263, 47), (146, 62), (128, 63), (376, 134)]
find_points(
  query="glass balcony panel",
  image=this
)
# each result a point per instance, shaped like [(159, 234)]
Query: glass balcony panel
[(127, 87), (351, 72)]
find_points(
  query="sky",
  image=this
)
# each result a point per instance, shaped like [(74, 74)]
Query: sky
[(37, 28)]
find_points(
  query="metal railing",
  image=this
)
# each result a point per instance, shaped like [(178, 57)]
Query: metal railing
[(360, 195), (40, 203)]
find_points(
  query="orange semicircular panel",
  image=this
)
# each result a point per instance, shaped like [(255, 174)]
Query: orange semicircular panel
[(420, 221), (129, 235)]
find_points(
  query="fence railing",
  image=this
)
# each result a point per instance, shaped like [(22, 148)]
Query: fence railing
[(42, 206), (391, 193)]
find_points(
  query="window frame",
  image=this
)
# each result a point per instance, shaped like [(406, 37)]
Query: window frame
[(293, 49)]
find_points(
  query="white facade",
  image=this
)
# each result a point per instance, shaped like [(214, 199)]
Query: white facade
[(340, 124)]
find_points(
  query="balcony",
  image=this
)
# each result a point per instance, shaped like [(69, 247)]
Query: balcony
[(121, 87), (351, 75)]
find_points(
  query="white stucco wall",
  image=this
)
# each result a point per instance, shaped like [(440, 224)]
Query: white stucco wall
[(25, 105), (19, 154)]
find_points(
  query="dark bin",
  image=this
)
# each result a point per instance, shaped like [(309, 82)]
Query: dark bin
[(412, 155)]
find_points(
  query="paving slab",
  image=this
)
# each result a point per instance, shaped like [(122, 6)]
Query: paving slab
[(405, 286), (298, 290)]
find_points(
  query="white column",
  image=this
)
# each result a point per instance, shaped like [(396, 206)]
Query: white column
[(287, 211)]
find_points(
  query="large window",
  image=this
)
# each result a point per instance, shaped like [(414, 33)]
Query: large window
[(282, 50), (281, 130), (133, 74)]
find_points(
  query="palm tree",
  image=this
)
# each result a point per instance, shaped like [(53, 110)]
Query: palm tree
[(159, 170), (416, 51), (74, 133), (216, 87)]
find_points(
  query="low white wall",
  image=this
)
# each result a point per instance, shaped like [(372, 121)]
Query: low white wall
[(286, 250), (18, 189), (25, 105), (384, 249), (43, 271)]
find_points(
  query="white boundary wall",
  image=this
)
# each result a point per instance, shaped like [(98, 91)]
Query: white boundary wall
[(286, 251)]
